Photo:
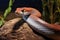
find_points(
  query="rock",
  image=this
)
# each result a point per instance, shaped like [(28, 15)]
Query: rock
[(24, 32), (7, 27)]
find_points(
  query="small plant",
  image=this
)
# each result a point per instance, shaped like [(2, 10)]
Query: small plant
[(51, 11), (7, 11)]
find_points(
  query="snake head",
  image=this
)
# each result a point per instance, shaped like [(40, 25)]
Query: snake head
[(23, 11), (28, 11)]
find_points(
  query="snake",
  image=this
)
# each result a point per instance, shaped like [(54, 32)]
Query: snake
[(33, 17)]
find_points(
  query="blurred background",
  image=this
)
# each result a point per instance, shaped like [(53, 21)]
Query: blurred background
[(21, 3)]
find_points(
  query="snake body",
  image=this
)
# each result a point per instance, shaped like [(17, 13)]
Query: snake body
[(36, 23)]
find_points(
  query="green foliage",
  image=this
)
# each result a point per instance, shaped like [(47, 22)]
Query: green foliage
[(51, 10), (7, 11), (1, 21)]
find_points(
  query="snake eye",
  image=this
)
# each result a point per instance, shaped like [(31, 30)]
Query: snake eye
[(24, 12)]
